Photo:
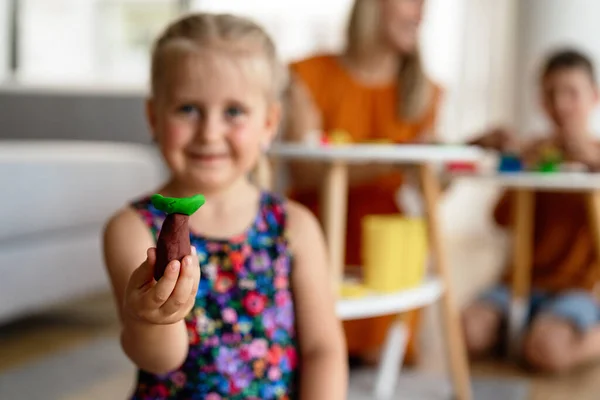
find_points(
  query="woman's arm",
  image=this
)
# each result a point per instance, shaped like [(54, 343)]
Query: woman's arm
[(154, 348), (302, 118), (500, 139), (324, 374)]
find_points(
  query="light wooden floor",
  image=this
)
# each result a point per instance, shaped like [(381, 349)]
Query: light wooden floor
[(34, 338)]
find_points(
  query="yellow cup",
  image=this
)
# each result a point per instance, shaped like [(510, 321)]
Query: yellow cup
[(394, 252)]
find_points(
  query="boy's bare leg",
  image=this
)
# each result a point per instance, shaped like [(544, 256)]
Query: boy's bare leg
[(554, 345), (481, 324)]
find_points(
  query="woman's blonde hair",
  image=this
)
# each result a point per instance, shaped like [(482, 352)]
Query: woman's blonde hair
[(415, 90), (204, 30)]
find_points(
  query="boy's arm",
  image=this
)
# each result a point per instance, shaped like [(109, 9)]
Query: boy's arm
[(154, 348), (324, 369)]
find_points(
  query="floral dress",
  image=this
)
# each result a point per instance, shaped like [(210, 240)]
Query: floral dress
[(241, 330)]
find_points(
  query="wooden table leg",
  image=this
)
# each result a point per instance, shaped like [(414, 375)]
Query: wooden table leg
[(459, 367), (594, 218), (523, 245), (334, 206)]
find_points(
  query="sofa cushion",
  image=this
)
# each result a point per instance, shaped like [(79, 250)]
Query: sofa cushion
[(56, 185)]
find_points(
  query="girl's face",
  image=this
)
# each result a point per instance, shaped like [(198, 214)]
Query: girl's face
[(211, 119), (401, 20), (569, 97)]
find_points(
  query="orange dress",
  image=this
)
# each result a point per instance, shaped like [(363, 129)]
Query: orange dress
[(367, 113)]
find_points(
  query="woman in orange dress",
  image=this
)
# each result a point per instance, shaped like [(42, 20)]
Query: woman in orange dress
[(376, 90)]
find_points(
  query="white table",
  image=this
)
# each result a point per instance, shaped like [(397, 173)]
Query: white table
[(525, 184), (334, 208)]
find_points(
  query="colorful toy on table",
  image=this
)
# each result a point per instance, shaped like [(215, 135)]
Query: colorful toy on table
[(339, 137), (380, 141), (550, 160), (510, 162), (174, 239), (461, 167)]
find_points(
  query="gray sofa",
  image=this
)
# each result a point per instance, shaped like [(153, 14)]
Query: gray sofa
[(56, 198)]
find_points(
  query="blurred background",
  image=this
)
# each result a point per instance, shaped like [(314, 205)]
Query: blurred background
[(78, 70), (92, 47), (485, 53)]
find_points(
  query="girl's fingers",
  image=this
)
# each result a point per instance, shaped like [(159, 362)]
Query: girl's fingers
[(164, 287), (196, 272), (143, 275), (149, 264), (196, 260), (180, 296)]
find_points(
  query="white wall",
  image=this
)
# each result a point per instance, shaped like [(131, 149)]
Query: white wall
[(543, 26), (56, 40), (298, 27), (4, 48), (442, 46), (82, 41)]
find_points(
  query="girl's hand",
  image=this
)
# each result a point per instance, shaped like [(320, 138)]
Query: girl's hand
[(171, 298)]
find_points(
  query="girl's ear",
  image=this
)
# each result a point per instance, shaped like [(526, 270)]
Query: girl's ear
[(272, 123), (596, 95), (151, 117)]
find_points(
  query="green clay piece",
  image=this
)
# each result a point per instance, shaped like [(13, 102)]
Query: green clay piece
[(174, 205), (550, 161), (548, 167)]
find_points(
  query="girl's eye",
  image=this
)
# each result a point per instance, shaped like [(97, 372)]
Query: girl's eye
[(234, 112), (187, 109)]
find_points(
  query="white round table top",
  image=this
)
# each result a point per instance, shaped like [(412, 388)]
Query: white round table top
[(375, 305), (557, 181), (363, 153)]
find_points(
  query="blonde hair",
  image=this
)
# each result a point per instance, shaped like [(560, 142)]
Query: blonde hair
[(415, 90), (203, 30)]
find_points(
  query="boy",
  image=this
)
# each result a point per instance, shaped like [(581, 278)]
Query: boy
[(564, 320)]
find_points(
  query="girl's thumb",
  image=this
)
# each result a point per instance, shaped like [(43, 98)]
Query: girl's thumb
[(147, 267)]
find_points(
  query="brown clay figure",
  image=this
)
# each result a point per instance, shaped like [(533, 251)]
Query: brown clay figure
[(174, 239)]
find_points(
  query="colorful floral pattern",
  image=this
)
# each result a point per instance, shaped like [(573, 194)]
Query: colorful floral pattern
[(241, 329)]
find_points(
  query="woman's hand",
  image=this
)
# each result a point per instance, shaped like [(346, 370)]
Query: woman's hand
[(171, 298), (499, 139)]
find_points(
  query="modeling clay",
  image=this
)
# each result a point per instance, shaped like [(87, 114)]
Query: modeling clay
[(510, 163), (548, 166), (461, 166), (550, 160), (339, 137), (174, 239)]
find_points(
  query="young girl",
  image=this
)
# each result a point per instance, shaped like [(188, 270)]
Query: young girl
[(256, 319)]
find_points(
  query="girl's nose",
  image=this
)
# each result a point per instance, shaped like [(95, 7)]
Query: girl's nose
[(211, 129)]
